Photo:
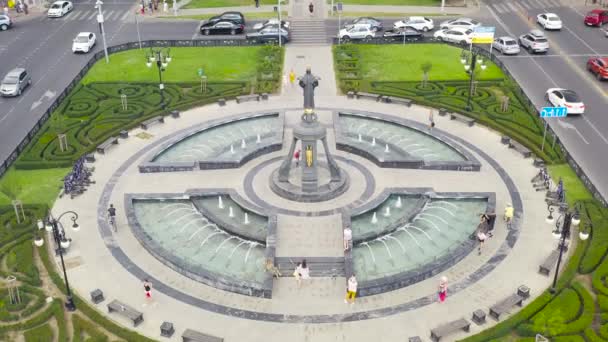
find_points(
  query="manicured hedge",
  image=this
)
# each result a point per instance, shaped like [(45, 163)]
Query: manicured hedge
[(598, 245), (42, 333), (591, 336), (567, 305), (84, 328), (598, 278)]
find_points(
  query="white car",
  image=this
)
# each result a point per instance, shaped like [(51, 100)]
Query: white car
[(457, 35), (418, 23), (84, 42), (271, 21), (506, 45), (59, 9), (549, 21), (460, 22), (356, 31), (559, 97)]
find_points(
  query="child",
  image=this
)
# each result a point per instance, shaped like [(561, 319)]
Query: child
[(351, 290), (148, 288), (443, 289), (348, 237), (301, 272)]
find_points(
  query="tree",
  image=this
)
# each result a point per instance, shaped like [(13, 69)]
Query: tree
[(426, 68)]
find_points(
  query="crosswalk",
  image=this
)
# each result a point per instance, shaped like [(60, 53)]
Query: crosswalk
[(508, 6), (91, 15)]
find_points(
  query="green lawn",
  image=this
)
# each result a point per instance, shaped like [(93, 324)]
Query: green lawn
[(347, 14), (219, 64), (248, 15), (227, 3), (393, 2), (31, 187), (575, 189), (402, 63)]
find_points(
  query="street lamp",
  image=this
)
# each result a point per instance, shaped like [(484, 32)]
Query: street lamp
[(54, 225), (162, 57), (562, 231), (280, 26), (103, 32), (470, 69)]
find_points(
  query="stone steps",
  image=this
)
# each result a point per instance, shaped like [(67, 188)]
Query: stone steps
[(308, 32), (319, 266)]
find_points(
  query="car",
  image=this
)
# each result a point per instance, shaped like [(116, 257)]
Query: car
[(236, 17), (599, 67), (271, 22), (84, 42), (460, 22), (459, 35), (418, 23), (549, 21), (59, 9), (221, 27), (270, 34), (14, 82), (597, 17), (534, 41), (358, 31), (506, 45), (400, 34), (5, 22), (375, 24), (559, 97)]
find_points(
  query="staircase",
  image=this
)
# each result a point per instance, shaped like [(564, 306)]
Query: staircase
[(308, 31), (319, 266)]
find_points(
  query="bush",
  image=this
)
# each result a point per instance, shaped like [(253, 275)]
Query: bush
[(599, 276), (598, 215), (82, 327), (21, 259), (566, 305), (586, 317), (43, 333)]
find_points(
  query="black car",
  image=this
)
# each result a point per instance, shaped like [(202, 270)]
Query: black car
[(270, 34), (405, 32), (235, 17), (221, 27)]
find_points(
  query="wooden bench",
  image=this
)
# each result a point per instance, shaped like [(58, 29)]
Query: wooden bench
[(195, 336), (465, 119), (157, 119), (126, 311), (448, 328), (505, 305), (245, 98), (399, 100), (369, 96), (547, 265), (101, 149), (520, 148)]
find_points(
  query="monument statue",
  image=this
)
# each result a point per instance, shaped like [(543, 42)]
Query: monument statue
[(309, 82)]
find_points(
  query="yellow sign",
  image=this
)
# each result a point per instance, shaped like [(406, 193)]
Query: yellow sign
[(483, 40)]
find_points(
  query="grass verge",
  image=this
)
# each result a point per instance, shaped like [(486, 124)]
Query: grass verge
[(349, 14), (575, 189), (394, 2), (31, 186), (248, 16), (226, 3)]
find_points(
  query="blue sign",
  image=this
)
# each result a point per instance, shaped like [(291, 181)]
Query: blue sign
[(485, 29), (553, 112)]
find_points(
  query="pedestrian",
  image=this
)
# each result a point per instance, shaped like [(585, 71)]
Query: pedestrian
[(481, 237), (443, 289), (6, 11), (302, 272), (25, 8), (165, 6), (156, 5), (351, 290), (141, 8), (311, 9), (489, 218), (292, 77), (348, 237), (148, 288), (112, 216), (18, 7), (431, 120), (296, 157), (270, 267), (257, 3), (509, 211), (150, 6)]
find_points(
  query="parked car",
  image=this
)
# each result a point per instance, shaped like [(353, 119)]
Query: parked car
[(375, 24), (271, 22), (5, 22), (418, 23), (221, 27), (400, 34), (359, 31), (14, 82), (534, 41), (460, 22), (270, 34), (84, 42), (59, 9), (506, 45), (559, 97), (549, 21), (599, 67), (597, 17), (236, 17), (459, 35)]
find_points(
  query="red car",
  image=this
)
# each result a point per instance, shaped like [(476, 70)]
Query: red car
[(597, 17), (599, 67)]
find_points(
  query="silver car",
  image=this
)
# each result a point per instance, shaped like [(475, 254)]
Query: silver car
[(5, 22), (506, 45), (534, 41), (14, 82)]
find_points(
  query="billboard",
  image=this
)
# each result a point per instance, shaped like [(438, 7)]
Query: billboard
[(483, 35)]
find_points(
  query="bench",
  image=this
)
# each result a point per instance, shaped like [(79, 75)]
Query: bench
[(123, 134), (414, 339), (245, 98), (547, 265), (195, 336), (465, 119), (369, 96), (221, 102), (505, 305), (442, 112), (126, 311), (101, 149), (150, 122), (90, 158), (175, 114), (264, 96), (448, 328), (520, 148), (505, 140), (399, 100), (350, 95), (539, 162)]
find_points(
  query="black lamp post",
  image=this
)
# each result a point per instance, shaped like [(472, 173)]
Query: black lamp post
[(54, 225), (470, 69), (162, 58), (562, 231)]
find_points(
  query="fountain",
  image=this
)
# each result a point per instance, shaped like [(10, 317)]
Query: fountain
[(398, 205), (386, 149), (387, 211), (258, 139), (374, 141), (374, 218), (230, 212), (360, 138), (231, 149), (246, 220), (220, 203), (243, 144)]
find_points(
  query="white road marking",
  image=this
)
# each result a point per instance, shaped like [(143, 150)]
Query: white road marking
[(568, 125), (196, 31), (523, 8), (548, 55), (582, 41), (513, 8), (7, 114), (92, 15), (499, 8), (109, 16), (124, 16)]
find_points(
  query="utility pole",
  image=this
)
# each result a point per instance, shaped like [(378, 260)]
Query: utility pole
[(103, 33)]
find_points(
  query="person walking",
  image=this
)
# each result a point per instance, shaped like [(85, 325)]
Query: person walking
[(311, 8), (509, 211), (431, 120), (6, 11), (112, 216), (25, 8), (302, 272), (257, 3), (292, 77), (165, 6), (348, 237), (443, 289), (148, 288), (351, 290), (150, 6), (142, 8), (296, 157), (481, 237)]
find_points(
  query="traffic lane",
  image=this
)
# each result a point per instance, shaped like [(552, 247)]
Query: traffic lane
[(593, 36)]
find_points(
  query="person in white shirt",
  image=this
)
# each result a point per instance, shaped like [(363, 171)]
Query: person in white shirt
[(348, 237), (301, 272), (351, 290), (481, 237)]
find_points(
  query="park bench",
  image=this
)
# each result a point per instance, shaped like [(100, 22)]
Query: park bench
[(245, 98), (547, 265), (505, 305), (398, 100), (369, 96), (520, 148), (124, 134), (350, 95), (126, 311), (157, 119), (194, 336), (107, 144), (442, 112), (414, 339), (264, 96), (90, 158), (448, 328), (465, 119), (505, 140), (175, 114)]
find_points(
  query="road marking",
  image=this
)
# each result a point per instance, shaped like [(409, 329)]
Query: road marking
[(582, 41), (7, 114), (500, 22), (554, 3), (196, 31), (513, 8), (548, 55), (109, 15), (124, 16), (568, 125), (499, 8), (92, 15), (523, 5)]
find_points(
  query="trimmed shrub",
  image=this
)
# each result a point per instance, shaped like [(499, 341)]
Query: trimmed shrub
[(84, 328), (594, 211), (586, 316), (591, 336), (43, 333)]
